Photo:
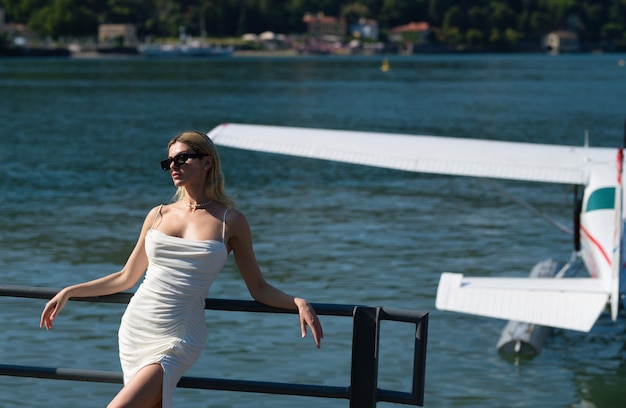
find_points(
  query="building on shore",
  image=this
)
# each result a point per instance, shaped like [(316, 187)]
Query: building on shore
[(117, 35), (411, 36), (557, 42)]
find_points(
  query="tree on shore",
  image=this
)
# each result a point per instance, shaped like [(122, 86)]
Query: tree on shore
[(479, 24)]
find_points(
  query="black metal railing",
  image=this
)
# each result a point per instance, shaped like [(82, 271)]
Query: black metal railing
[(363, 391)]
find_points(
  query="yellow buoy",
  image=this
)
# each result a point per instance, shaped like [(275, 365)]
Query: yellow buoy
[(384, 67)]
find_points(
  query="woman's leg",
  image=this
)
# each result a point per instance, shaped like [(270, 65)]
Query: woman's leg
[(144, 390)]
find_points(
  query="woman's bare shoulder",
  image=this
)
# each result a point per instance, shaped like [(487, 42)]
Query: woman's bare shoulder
[(237, 224), (235, 216), (156, 212)]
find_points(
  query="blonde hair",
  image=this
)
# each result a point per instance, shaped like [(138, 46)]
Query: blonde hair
[(214, 183)]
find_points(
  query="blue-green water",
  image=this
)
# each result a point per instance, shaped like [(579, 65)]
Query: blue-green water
[(80, 146)]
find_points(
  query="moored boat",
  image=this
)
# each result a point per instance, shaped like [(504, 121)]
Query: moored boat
[(189, 49)]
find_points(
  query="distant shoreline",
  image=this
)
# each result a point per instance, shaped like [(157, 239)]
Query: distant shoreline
[(95, 54), (235, 54)]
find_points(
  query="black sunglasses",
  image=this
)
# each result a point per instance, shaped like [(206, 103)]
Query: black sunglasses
[(179, 160)]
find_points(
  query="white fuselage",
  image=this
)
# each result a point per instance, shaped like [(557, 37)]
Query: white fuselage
[(601, 227)]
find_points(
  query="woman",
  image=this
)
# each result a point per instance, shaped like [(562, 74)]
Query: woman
[(181, 248)]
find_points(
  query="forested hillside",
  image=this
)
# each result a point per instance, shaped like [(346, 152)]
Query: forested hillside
[(504, 24)]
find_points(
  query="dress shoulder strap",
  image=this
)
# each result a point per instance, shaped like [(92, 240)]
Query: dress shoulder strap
[(156, 216), (224, 224)]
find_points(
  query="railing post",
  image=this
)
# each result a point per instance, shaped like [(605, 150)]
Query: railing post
[(419, 360), (364, 373)]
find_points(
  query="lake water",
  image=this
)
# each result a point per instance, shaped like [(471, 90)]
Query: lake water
[(81, 142)]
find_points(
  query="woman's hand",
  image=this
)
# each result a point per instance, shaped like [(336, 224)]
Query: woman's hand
[(52, 309), (308, 317)]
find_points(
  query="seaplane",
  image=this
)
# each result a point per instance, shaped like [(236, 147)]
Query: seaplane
[(542, 301)]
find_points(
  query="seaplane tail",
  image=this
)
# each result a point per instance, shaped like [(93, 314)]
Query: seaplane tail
[(572, 303), (618, 237)]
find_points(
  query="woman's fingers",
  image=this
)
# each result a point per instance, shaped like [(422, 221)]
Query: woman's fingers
[(316, 328), (47, 316), (51, 310)]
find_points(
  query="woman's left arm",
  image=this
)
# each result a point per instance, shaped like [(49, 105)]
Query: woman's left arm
[(240, 242)]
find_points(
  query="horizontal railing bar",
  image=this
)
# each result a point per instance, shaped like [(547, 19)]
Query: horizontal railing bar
[(48, 293), (397, 397), (232, 305), (265, 387), (328, 309), (401, 315), (61, 373)]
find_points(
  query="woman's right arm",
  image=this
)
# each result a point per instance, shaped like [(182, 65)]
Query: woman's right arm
[(116, 282)]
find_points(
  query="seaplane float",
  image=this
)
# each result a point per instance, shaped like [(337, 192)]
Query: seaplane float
[(552, 296)]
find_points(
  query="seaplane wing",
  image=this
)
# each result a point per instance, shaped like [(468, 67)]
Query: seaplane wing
[(571, 303), (427, 154)]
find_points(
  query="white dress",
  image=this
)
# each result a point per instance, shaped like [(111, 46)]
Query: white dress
[(164, 321)]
